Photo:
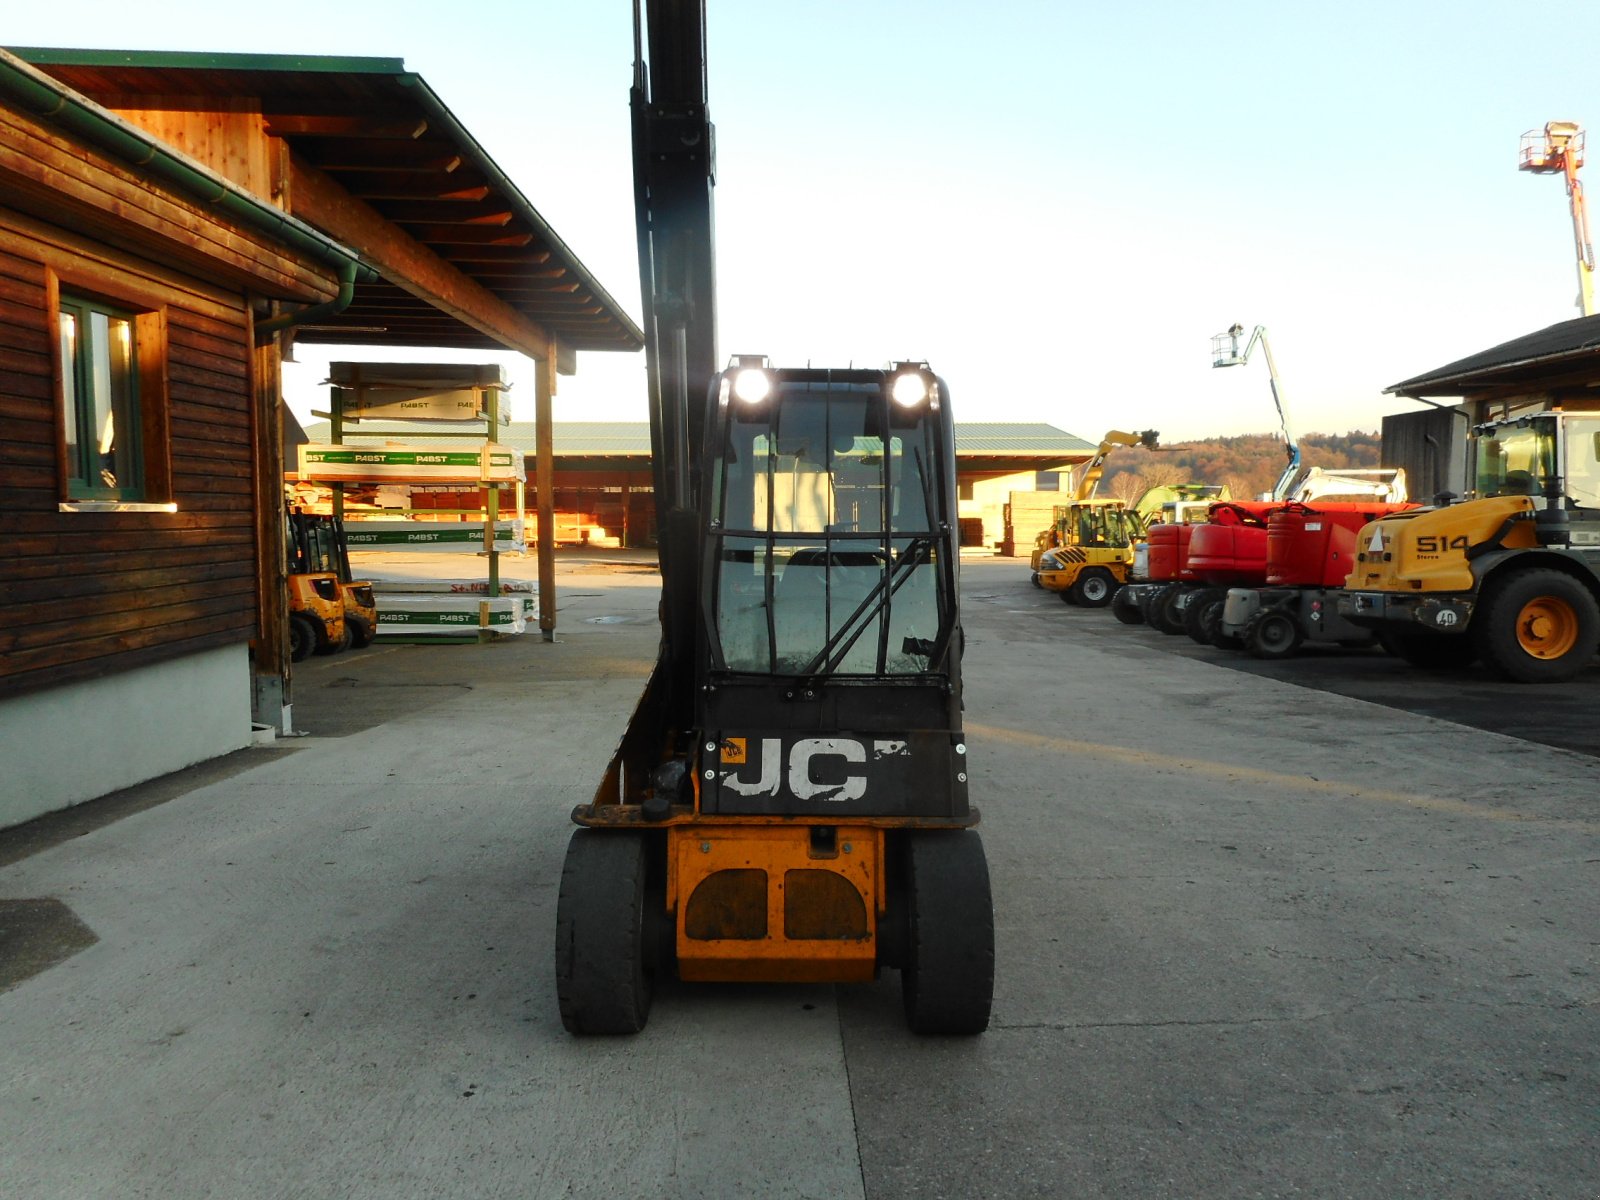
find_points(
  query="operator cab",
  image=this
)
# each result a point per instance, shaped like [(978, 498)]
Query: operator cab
[(827, 528), (1531, 455), (830, 595)]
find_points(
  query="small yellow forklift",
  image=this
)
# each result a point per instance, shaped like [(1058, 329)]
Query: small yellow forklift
[(329, 610)]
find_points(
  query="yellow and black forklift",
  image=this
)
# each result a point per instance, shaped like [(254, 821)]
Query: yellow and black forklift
[(789, 801), (329, 609)]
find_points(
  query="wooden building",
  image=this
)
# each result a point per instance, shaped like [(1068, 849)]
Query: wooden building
[(1554, 367), (167, 224)]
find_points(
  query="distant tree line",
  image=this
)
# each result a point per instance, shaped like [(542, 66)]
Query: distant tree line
[(1249, 464)]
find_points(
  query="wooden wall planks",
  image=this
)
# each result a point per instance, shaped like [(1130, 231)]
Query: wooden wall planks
[(83, 593)]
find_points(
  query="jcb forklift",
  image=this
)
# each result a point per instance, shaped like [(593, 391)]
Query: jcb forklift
[(789, 801), (329, 610)]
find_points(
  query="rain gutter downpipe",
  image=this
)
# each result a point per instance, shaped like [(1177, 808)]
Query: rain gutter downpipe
[(348, 270)]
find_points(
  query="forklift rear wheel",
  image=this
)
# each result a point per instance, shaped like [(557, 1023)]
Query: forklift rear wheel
[(302, 637), (360, 632), (1272, 634), (1537, 626), (1195, 613), (1036, 582), (947, 979), (1069, 595), (1125, 608), (602, 982), (1094, 587)]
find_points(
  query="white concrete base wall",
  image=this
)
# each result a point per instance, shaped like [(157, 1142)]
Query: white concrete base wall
[(80, 741)]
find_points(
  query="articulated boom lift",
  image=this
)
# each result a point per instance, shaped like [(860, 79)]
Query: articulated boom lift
[(789, 801), (1558, 150), (1225, 352)]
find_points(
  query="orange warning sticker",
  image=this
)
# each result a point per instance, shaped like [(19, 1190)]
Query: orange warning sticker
[(733, 751)]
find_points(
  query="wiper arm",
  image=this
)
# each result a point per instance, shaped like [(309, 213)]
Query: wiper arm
[(827, 660)]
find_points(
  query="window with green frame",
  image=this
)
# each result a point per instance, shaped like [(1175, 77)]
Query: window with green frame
[(100, 401)]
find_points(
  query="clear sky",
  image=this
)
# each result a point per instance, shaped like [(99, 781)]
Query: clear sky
[(1056, 203)]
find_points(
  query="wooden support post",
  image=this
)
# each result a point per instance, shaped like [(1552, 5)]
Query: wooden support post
[(491, 512), (544, 481), (271, 697)]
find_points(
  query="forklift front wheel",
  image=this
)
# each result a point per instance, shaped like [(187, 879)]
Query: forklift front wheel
[(346, 640), (947, 979), (602, 982), (360, 632), (302, 637)]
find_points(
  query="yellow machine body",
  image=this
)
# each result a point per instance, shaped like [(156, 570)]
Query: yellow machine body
[(317, 597), (771, 902), (1425, 550), (1074, 560), (360, 605)]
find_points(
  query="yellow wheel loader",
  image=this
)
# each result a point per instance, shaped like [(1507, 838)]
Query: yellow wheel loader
[(1511, 577)]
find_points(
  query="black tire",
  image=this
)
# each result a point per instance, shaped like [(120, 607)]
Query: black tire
[(1069, 595), (603, 983), (1095, 587), (1036, 582), (947, 980), (1536, 626), (1194, 613), (1429, 651), (1163, 614), (346, 640), (1272, 634), (360, 631), (1125, 608), (302, 637), (1224, 641)]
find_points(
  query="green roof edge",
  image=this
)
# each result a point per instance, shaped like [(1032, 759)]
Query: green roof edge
[(325, 63)]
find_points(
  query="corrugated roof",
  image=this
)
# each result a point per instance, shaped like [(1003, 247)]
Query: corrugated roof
[(1528, 359), (383, 135), (1031, 439), (631, 439)]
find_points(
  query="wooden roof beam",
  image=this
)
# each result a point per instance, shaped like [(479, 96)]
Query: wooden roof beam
[(462, 185), (354, 155), (468, 235), (403, 260), (303, 125), (447, 212)]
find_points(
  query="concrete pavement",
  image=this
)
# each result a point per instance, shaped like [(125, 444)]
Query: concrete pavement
[(1254, 940)]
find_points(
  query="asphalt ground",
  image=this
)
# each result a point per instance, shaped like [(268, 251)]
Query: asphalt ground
[(1253, 939), (1560, 714)]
